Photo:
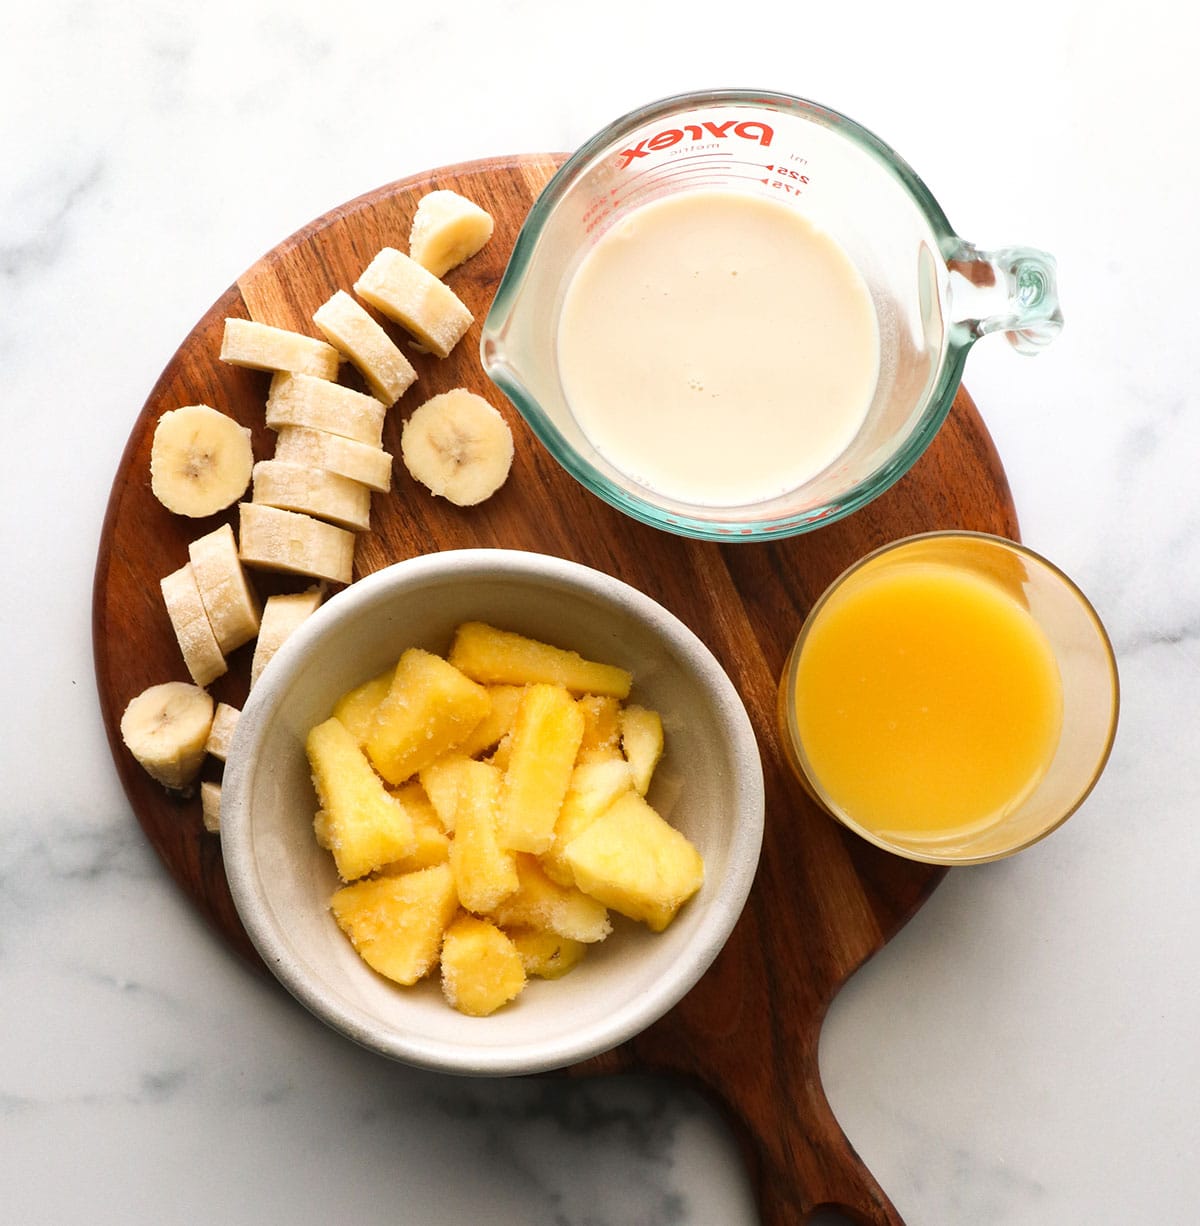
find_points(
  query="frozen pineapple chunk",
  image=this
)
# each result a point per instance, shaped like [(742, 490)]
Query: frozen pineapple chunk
[(546, 954), (360, 823), (633, 861), (396, 923), (481, 968), (642, 743), (443, 784), (431, 843), (594, 786), (539, 902), (356, 708), (601, 727), (414, 298), (546, 736), (492, 656), (430, 708), (484, 872), (497, 723)]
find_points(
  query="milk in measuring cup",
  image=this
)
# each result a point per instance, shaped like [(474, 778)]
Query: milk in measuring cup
[(718, 348)]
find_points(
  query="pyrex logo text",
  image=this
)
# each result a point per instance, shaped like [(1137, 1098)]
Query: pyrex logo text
[(748, 130)]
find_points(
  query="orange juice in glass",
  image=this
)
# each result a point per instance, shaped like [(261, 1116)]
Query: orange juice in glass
[(952, 697)]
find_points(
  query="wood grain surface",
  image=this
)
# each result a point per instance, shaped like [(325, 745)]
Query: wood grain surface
[(823, 900)]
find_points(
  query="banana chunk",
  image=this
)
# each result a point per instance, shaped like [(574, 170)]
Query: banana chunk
[(263, 347), (210, 806), (313, 491), (458, 446), (200, 461), (413, 297), (282, 616), (301, 400), (201, 652), (165, 728), (298, 544), (225, 590), (345, 325), (446, 230), (220, 735), (320, 449)]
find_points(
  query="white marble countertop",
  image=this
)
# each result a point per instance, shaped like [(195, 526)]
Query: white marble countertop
[(1025, 1051)]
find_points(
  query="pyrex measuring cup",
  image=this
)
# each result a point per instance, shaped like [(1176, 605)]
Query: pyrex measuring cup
[(933, 293)]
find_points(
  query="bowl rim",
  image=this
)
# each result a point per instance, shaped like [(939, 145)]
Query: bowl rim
[(576, 1043)]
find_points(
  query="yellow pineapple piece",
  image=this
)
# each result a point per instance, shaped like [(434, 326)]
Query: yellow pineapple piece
[(442, 781), (635, 862), (321, 830), (498, 721), (481, 967), (396, 923), (539, 902), (642, 743), (357, 707), (546, 954), (431, 707), (493, 656), (546, 736), (601, 727), (361, 824), (502, 754), (594, 786), (432, 843), (483, 871)]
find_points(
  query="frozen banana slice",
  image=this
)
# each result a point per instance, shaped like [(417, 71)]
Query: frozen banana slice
[(229, 600), (301, 400), (446, 230), (458, 446), (263, 347), (388, 373), (201, 652), (282, 615), (200, 461), (313, 491), (415, 299), (298, 544), (220, 735), (210, 806), (165, 728), (320, 449)]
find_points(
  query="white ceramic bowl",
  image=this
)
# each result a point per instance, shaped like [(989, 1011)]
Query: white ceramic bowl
[(709, 784)]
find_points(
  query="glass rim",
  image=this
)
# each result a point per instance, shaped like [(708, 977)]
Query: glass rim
[(791, 670), (721, 524)]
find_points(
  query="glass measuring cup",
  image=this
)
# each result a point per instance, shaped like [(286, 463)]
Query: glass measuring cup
[(910, 703), (933, 293)]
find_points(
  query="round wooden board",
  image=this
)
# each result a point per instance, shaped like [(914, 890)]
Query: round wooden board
[(823, 901)]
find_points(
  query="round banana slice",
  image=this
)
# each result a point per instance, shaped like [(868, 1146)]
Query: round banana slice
[(229, 599), (282, 615), (201, 652), (200, 461), (458, 446), (220, 735), (210, 806), (166, 728), (319, 449), (313, 491), (446, 230)]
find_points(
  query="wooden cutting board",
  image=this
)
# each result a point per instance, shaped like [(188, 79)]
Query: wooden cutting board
[(823, 901)]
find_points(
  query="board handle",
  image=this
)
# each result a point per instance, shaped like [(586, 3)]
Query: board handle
[(800, 1162)]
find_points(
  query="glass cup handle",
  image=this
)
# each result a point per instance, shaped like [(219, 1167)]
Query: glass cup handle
[(1011, 290)]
